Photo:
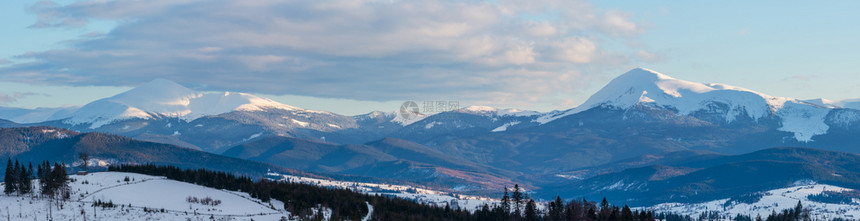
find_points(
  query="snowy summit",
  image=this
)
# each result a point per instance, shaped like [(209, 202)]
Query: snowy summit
[(642, 86), (164, 98)]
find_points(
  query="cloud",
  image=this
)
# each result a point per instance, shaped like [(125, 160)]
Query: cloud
[(649, 56), (9, 98), (367, 50)]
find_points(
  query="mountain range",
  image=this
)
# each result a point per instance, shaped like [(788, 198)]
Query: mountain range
[(642, 124)]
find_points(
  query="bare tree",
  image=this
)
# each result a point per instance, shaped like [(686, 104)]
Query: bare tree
[(85, 159)]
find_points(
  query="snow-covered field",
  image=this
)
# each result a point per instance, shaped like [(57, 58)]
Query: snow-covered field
[(417, 194), (774, 200), (133, 197)]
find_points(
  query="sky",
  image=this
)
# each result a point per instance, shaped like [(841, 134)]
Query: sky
[(353, 57)]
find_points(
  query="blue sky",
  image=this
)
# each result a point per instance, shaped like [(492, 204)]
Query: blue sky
[(354, 57)]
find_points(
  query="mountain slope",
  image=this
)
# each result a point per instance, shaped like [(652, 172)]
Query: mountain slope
[(643, 112), (164, 98), (36, 115), (719, 177), (164, 111), (37, 144), (642, 86), (386, 158)]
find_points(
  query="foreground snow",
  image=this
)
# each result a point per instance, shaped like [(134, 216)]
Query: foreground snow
[(774, 200), (140, 193)]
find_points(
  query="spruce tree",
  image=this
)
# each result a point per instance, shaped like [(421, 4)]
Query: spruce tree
[(506, 203), (517, 196), (626, 214), (40, 174), (16, 177), (23, 180), (559, 207), (9, 179), (554, 209), (30, 177), (604, 204), (797, 211), (531, 213)]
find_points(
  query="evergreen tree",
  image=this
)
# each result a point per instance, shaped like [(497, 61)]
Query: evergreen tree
[(797, 211), (506, 204), (16, 177), (484, 213), (517, 196), (614, 213), (556, 209), (61, 180), (23, 180), (626, 214), (29, 177), (604, 204), (40, 174), (9, 179), (531, 213), (592, 214)]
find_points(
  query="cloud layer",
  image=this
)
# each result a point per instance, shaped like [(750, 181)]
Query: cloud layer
[(498, 52), (10, 98)]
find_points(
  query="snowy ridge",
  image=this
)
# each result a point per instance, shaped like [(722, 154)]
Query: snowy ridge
[(36, 115), (164, 98), (641, 86), (492, 111), (407, 118), (774, 200)]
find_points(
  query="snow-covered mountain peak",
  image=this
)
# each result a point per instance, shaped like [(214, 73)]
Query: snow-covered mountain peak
[(159, 95), (479, 109), (164, 98), (376, 115), (641, 75), (405, 117), (486, 110), (160, 87), (642, 86)]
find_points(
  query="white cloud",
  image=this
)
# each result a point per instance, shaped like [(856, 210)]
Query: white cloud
[(649, 56), (576, 50), (618, 23), (10, 98), (494, 51)]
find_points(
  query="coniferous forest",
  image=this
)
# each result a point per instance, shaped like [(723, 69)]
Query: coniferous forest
[(307, 200), (302, 199), (53, 180)]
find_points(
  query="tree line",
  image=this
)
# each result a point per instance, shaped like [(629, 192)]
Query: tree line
[(518, 206), (53, 180), (304, 201)]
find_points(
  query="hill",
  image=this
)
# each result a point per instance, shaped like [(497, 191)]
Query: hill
[(706, 178)]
